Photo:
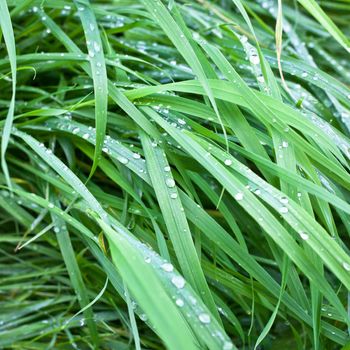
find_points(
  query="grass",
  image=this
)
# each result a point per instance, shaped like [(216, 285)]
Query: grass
[(175, 174)]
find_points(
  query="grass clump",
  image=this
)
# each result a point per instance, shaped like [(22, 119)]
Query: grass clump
[(175, 174)]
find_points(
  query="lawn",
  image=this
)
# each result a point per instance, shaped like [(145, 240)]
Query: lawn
[(175, 174)]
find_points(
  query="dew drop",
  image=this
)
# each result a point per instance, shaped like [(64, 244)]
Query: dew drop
[(173, 195), (179, 302), (283, 210), (167, 168), (51, 205), (346, 266), (254, 59), (86, 136), (167, 267), (284, 200), (123, 160), (204, 318), (227, 345), (303, 235), (170, 183), (143, 317), (228, 162), (239, 196), (178, 282), (75, 131)]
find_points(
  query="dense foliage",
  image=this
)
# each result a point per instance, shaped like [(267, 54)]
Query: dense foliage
[(174, 174)]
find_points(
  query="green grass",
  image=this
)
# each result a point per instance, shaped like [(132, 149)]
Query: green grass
[(175, 174)]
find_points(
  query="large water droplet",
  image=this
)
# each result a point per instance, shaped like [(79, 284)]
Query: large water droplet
[(167, 267), (179, 302), (239, 196), (204, 318), (123, 160), (170, 183), (227, 345), (284, 200), (228, 162), (283, 210), (178, 282), (346, 266), (303, 235)]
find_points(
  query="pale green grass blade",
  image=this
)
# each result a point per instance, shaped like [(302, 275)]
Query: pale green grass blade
[(7, 32)]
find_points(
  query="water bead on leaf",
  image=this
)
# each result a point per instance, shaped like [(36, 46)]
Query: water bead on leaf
[(254, 59), (227, 346), (283, 210), (303, 235), (167, 267), (170, 183), (346, 266), (179, 302), (228, 162), (123, 160), (178, 282), (284, 200), (204, 318), (239, 196)]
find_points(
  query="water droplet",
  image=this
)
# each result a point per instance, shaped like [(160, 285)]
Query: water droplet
[(285, 144), (167, 267), (346, 266), (75, 131), (179, 302), (304, 74), (170, 183), (228, 162), (181, 121), (204, 318), (167, 168), (173, 195), (178, 282), (148, 259), (303, 235), (283, 210), (239, 196), (227, 345), (123, 160), (261, 79), (143, 317), (86, 136), (243, 39), (254, 59), (284, 200), (136, 156), (51, 205)]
